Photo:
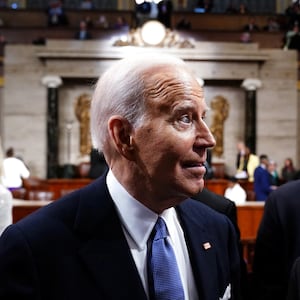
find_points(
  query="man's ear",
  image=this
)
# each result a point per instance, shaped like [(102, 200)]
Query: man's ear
[(120, 131)]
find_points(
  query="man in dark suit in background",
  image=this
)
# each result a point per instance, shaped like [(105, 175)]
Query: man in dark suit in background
[(147, 116), (294, 282), (262, 184), (277, 243)]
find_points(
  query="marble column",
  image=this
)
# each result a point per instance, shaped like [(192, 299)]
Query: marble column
[(52, 82), (250, 85)]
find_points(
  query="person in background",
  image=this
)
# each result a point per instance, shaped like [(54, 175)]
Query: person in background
[(246, 162), (5, 199), (121, 23), (251, 26), (96, 242), (183, 24), (165, 10), (262, 185), (288, 170), (15, 171), (86, 4), (98, 164), (235, 192), (294, 282), (56, 13), (277, 243), (243, 9), (83, 32), (291, 38), (272, 25), (274, 177)]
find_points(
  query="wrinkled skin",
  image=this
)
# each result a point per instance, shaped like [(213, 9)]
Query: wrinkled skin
[(164, 161)]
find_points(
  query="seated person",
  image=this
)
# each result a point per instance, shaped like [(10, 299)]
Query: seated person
[(56, 14), (235, 192), (83, 33)]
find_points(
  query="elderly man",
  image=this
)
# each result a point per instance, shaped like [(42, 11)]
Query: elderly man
[(109, 239)]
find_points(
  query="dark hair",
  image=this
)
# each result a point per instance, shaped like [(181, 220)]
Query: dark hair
[(10, 152), (232, 179), (263, 156)]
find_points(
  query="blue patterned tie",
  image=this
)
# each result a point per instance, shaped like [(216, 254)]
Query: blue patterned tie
[(164, 278)]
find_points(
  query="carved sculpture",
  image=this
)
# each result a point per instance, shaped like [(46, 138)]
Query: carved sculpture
[(220, 108), (82, 112)]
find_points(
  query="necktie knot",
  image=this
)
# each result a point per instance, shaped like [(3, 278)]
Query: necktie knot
[(160, 230)]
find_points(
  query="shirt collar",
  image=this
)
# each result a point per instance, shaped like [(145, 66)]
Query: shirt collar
[(136, 218)]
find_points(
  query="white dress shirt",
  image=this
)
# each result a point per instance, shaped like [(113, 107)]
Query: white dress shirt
[(138, 221), (14, 171), (236, 194)]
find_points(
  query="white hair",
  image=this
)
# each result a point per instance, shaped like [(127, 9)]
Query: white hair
[(121, 91)]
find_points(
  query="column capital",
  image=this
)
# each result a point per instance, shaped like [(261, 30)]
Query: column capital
[(251, 84), (200, 81), (52, 81)]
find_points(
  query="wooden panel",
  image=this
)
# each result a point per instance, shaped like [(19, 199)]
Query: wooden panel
[(61, 186), (22, 208), (217, 186), (249, 217)]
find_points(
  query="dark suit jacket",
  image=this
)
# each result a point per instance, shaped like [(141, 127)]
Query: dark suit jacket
[(75, 248), (228, 208), (294, 283), (262, 186), (277, 243)]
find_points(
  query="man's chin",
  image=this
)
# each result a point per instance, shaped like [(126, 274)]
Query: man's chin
[(196, 188)]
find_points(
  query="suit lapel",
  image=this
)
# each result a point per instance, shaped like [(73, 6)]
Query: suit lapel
[(106, 253), (201, 249)]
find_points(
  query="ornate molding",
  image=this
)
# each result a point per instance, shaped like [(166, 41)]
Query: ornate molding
[(170, 40)]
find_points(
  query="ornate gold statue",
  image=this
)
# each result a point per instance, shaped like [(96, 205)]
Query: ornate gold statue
[(220, 107), (82, 112)]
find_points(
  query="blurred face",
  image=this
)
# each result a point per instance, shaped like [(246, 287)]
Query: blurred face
[(172, 142)]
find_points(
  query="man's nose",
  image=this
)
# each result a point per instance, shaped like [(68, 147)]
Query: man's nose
[(205, 137)]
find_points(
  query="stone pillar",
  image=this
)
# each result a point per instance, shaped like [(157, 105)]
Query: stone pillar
[(52, 83), (250, 85)]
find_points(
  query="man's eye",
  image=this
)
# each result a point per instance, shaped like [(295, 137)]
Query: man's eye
[(185, 119)]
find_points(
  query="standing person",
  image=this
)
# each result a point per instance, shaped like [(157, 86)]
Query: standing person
[(262, 185), (83, 32), (246, 162), (96, 242), (14, 170), (274, 177), (277, 243), (288, 171)]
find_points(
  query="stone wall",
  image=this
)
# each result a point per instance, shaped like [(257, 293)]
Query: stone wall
[(222, 66)]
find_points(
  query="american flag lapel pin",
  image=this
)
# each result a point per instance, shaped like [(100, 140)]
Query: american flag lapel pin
[(206, 245)]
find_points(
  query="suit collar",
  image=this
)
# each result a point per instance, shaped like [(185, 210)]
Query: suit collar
[(201, 247), (106, 253)]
